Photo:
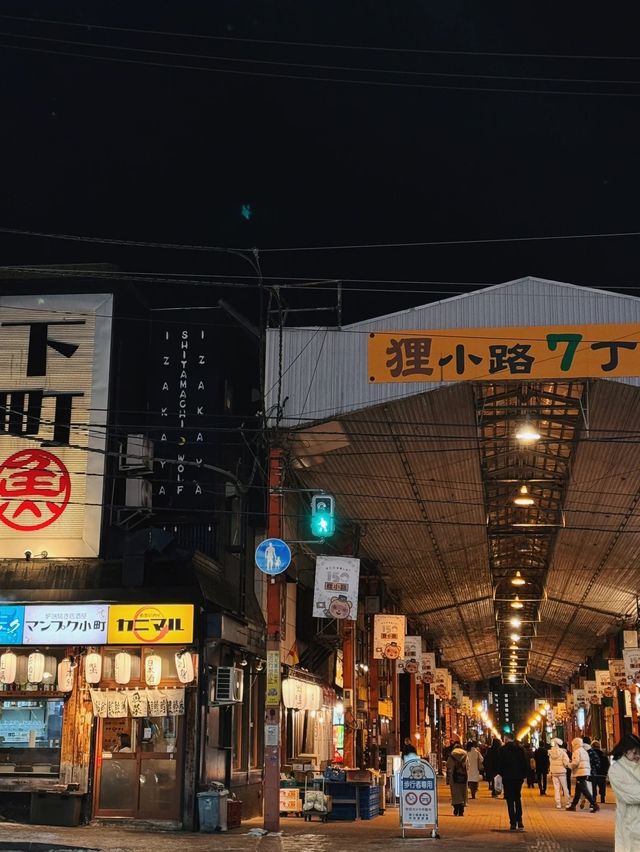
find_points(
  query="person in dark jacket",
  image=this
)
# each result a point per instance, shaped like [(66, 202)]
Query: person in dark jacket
[(600, 780), (541, 758), (491, 764), (513, 766)]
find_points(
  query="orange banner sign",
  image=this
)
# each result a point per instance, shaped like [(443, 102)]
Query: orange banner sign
[(498, 354)]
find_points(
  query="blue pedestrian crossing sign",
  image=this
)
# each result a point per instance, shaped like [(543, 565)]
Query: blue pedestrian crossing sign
[(273, 556)]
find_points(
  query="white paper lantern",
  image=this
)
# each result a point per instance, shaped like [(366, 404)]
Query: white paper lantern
[(313, 697), (8, 667), (123, 667), (153, 670), (65, 675), (50, 670), (184, 667), (93, 667), (35, 667), (294, 693)]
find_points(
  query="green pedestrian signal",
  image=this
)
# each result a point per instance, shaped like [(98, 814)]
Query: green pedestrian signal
[(323, 522)]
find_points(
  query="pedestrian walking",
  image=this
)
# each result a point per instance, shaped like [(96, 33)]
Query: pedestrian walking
[(581, 769), (491, 765), (541, 758), (600, 780), (531, 760), (513, 767), (567, 749), (624, 776), (558, 764), (475, 763), (457, 778)]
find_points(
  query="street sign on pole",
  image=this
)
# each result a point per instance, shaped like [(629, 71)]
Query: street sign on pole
[(273, 556), (418, 790)]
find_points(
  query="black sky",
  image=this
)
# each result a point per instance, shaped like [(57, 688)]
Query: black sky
[(156, 153)]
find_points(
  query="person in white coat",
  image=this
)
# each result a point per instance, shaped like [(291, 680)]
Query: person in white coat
[(475, 762), (581, 770), (624, 777), (558, 764)]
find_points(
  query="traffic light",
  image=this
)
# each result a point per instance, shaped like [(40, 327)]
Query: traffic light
[(323, 522)]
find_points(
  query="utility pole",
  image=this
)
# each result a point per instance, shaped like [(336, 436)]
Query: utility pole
[(272, 716)]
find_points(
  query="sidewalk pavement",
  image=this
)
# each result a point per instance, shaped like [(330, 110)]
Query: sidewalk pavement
[(484, 826)]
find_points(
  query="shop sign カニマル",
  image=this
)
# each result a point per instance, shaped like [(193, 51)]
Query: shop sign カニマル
[(150, 624), (54, 382), (65, 624)]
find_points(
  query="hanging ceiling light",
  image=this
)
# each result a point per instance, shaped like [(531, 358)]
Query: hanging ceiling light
[(122, 667), (518, 580), (512, 678), (523, 498), (514, 647), (516, 603), (515, 622), (35, 667), (515, 637), (527, 433), (93, 667), (153, 670), (65, 673)]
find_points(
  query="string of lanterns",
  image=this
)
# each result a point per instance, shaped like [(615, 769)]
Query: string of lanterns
[(39, 668)]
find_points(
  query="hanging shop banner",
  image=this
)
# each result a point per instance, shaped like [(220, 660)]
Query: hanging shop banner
[(54, 375), (618, 674), (428, 667), (410, 662), (481, 354), (65, 624), (631, 658), (591, 688), (603, 683), (440, 685), (561, 710), (99, 703), (137, 700), (11, 624), (388, 636), (570, 702), (580, 699), (150, 624), (467, 707), (335, 593)]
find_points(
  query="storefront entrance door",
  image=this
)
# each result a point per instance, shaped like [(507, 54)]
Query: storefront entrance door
[(138, 768)]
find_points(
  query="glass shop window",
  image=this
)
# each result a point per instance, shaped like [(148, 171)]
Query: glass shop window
[(30, 735)]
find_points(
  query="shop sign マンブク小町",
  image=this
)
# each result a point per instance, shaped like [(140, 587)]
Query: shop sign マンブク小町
[(65, 624)]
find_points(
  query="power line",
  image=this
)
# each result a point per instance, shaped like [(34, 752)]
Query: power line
[(316, 79), (332, 46), (320, 67)]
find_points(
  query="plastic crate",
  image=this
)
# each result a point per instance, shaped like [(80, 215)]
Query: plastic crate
[(234, 813)]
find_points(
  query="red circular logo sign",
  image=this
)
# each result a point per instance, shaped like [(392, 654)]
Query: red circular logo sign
[(35, 488), (144, 615)]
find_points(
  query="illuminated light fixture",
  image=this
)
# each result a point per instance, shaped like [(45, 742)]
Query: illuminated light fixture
[(518, 580), (516, 603), (65, 675), (523, 498), (515, 637), (514, 647), (512, 678), (93, 667), (8, 667), (184, 667), (122, 667), (515, 622), (35, 667), (527, 433), (153, 670)]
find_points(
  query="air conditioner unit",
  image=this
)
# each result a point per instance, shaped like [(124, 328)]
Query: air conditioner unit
[(229, 685), (138, 494), (137, 454)]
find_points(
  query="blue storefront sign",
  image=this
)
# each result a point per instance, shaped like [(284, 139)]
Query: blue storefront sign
[(11, 624)]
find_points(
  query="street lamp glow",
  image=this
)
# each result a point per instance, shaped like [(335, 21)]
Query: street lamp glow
[(527, 433)]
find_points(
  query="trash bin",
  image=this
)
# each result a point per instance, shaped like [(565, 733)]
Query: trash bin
[(53, 808), (212, 810)]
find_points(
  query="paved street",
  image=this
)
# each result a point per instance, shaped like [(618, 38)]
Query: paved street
[(484, 826)]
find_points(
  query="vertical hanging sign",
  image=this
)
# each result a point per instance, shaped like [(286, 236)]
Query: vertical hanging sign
[(335, 592), (409, 663), (388, 636)]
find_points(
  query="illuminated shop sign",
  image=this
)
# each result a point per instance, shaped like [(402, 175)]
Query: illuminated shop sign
[(495, 354), (150, 624), (54, 378), (65, 624)]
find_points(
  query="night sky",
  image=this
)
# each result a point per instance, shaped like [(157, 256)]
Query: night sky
[(155, 153)]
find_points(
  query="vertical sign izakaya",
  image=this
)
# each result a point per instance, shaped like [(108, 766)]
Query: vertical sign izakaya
[(54, 383)]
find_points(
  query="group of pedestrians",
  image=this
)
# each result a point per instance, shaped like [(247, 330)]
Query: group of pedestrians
[(506, 767)]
